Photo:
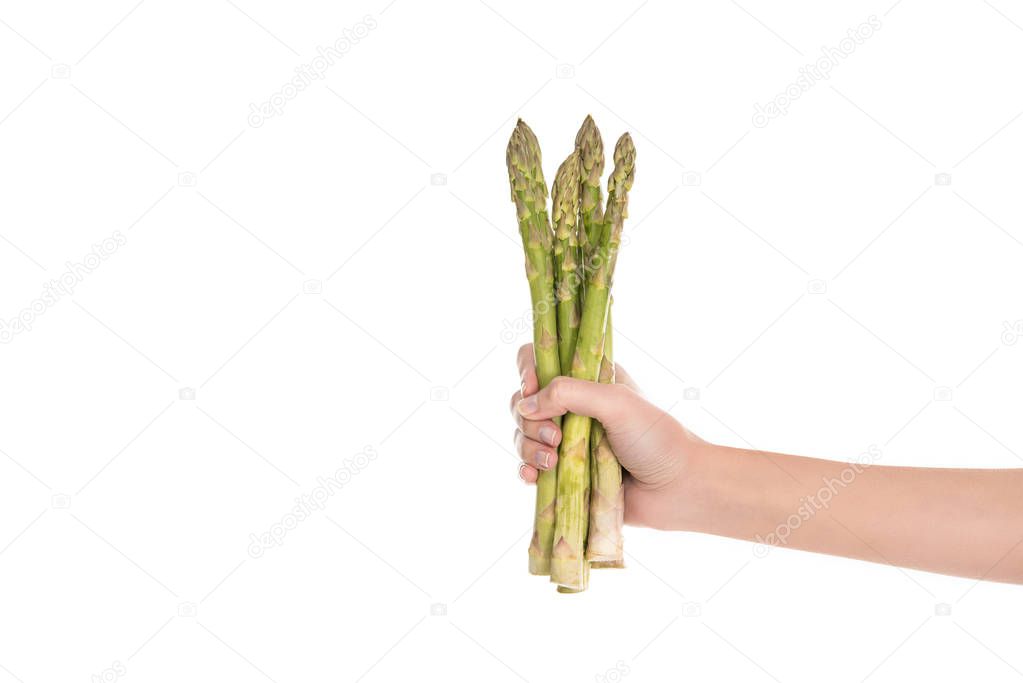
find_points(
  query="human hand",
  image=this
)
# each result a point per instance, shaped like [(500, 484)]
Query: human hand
[(651, 445)]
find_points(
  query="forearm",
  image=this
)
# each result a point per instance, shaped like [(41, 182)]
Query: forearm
[(964, 522)]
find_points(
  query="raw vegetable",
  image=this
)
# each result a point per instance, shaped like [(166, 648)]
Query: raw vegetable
[(570, 269), (604, 539), (591, 166), (569, 567), (565, 217), (529, 192)]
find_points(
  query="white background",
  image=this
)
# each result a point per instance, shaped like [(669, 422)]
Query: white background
[(127, 510)]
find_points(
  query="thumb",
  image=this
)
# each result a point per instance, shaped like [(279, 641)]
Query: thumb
[(565, 394)]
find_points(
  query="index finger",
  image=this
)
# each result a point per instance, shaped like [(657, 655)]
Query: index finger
[(527, 370)]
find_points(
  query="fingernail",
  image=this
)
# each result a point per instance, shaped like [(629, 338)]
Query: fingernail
[(522, 472), (527, 406), (548, 435), (543, 459)]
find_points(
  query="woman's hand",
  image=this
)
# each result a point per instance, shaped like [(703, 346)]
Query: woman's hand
[(650, 444), (964, 522)]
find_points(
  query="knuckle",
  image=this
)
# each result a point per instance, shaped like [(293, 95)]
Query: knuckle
[(622, 391), (619, 390), (558, 389)]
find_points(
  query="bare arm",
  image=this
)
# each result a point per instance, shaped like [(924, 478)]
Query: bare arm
[(964, 522)]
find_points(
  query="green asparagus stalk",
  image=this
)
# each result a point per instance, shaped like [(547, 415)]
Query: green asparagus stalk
[(529, 192), (565, 216), (591, 159), (604, 539), (569, 567)]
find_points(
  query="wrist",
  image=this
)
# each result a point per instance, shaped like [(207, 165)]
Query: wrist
[(730, 492), (683, 502)]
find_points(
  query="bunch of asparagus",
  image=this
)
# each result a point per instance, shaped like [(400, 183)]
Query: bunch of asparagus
[(570, 260)]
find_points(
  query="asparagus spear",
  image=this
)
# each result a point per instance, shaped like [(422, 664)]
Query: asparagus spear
[(604, 538), (529, 192), (591, 158), (568, 564), (564, 216), (607, 498)]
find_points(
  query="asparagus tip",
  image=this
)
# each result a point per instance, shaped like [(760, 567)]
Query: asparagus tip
[(624, 172), (588, 134), (525, 171), (528, 156), (565, 195), (591, 151)]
